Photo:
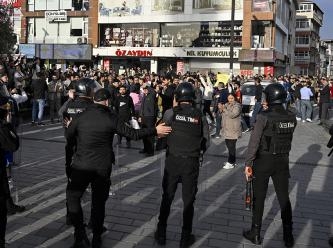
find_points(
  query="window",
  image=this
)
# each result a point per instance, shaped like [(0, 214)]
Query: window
[(302, 54), (305, 7), (85, 26), (303, 40), (302, 24), (261, 34), (76, 26)]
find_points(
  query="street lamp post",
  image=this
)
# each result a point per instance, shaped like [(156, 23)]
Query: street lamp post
[(232, 36)]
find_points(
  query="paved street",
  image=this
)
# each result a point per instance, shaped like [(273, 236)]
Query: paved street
[(135, 195)]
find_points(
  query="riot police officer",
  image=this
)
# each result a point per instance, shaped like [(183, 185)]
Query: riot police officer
[(9, 141), (92, 163), (188, 138), (83, 97), (268, 156), (82, 92)]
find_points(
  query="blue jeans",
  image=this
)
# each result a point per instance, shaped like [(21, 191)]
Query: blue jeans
[(256, 110), (298, 108), (306, 108), (38, 104)]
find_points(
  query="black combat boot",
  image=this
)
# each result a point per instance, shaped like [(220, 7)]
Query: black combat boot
[(80, 239), (330, 241), (12, 208), (288, 237), (186, 240), (160, 235), (253, 234), (96, 241)]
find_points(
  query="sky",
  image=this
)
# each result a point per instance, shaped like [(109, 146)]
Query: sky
[(326, 31)]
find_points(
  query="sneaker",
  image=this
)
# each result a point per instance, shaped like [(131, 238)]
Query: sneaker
[(303, 121), (299, 119), (246, 130), (308, 120), (228, 166), (41, 124), (217, 137)]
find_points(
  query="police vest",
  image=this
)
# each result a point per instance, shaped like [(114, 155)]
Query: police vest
[(76, 107), (278, 133), (186, 136)]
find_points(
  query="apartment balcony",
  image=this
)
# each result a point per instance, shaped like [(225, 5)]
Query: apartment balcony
[(302, 45), (302, 59)]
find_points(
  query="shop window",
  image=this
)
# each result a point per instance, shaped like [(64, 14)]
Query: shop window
[(200, 34), (132, 35)]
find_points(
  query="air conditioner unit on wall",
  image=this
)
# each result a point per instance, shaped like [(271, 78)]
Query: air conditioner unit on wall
[(82, 40)]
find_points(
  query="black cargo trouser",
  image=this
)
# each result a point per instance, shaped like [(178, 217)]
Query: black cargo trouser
[(185, 171), (4, 195), (100, 185), (277, 167), (148, 142)]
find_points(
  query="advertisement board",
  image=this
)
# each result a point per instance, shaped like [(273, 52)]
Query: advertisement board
[(28, 50), (204, 6), (45, 51), (81, 52), (168, 6), (121, 8), (261, 5), (157, 7)]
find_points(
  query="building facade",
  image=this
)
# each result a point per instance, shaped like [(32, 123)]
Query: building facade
[(268, 40), (327, 59), (159, 35), (56, 30), (309, 19)]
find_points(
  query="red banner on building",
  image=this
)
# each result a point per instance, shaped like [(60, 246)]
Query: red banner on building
[(269, 70), (14, 3)]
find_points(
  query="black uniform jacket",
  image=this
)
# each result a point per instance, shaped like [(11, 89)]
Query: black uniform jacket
[(93, 131), (257, 134), (9, 141)]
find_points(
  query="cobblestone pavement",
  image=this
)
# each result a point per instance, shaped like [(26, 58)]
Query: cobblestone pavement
[(132, 208)]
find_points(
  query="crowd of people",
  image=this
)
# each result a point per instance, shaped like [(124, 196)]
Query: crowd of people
[(180, 100)]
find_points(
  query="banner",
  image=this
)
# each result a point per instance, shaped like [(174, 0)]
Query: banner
[(221, 78)]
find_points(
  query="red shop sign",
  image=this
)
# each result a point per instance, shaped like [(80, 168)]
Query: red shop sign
[(133, 53)]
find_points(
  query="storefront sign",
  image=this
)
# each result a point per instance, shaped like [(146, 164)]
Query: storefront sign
[(175, 52), (133, 53), (221, 54), (56, 16)]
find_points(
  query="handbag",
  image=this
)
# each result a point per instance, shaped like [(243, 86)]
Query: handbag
[(134, 123)]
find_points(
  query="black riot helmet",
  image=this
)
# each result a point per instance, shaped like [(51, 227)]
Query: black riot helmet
[(102, 95), (185, 92), (275, 93), (86, 87)]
